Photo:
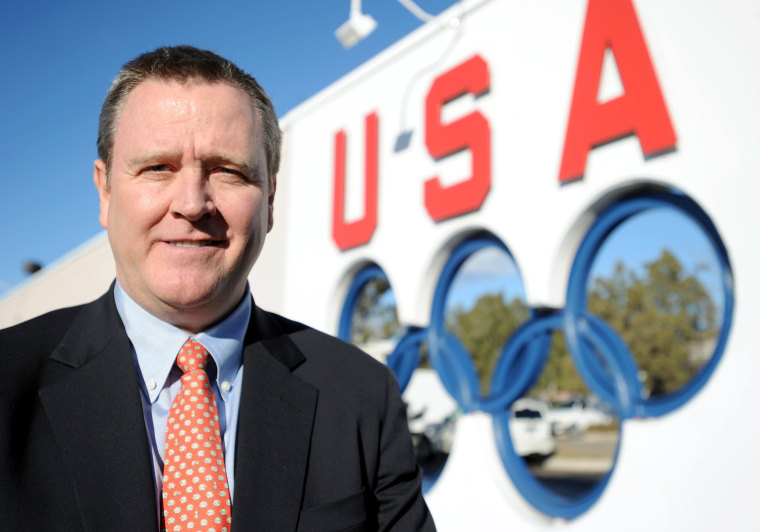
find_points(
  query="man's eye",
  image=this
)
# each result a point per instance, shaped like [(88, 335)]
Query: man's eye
[(231, 173), (157, 168)]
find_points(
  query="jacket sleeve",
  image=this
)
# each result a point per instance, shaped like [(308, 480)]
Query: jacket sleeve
[(398, 492)]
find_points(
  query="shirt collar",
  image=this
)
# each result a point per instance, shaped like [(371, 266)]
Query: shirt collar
[(156, 343)]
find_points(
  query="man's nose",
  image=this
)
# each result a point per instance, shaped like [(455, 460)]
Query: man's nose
[(192, 198)]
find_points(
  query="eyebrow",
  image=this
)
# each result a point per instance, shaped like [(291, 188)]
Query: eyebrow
[(218, 158), (140, 160)]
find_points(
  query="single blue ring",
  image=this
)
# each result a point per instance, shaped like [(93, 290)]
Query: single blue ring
[(538, 495), (447, 355), (576, 305), (520, 355), (347, 312)]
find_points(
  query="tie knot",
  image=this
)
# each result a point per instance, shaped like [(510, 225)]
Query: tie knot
[(192, 356)]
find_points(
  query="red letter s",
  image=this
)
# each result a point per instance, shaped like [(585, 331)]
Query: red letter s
[(469, 132)]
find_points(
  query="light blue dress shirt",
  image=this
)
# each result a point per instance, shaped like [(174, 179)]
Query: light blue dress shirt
[(155, 345)]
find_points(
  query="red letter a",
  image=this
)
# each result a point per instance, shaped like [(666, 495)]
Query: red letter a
[(640, 110)]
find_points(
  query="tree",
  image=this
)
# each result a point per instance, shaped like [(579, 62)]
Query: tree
[(485, 329), (374, 316), (559, 374), (665, 316)]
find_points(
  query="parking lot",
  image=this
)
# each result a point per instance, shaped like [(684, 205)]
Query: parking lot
[(578, 462)]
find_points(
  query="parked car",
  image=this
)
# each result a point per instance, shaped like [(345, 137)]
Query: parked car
[(432, 415), (531, 430), (577, 415)]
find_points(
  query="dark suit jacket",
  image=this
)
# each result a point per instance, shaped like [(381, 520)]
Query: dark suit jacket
[(322, 439)]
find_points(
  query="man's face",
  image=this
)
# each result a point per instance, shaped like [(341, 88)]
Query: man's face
[(189, 202)]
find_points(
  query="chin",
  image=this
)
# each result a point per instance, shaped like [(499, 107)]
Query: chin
[(184, 293), (200, 294), (190, 298)]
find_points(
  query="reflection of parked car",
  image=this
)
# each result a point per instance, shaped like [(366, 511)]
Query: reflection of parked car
[(432, 416), (435, 437), (530, 429), (577, 415)]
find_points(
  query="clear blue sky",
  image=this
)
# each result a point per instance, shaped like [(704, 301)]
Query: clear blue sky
[(59, 57)]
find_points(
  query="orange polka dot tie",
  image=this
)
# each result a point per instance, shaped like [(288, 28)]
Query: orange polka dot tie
[(195, 494)]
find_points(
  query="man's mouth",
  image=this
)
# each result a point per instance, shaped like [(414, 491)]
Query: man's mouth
[(194, 243)]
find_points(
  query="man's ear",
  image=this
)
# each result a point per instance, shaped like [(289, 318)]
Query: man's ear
[(100, 177), (270, 203)]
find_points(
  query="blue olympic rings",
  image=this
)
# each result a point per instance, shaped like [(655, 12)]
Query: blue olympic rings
[(602, 359)]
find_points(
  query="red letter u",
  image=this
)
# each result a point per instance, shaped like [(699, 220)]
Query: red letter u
[(352, 234)]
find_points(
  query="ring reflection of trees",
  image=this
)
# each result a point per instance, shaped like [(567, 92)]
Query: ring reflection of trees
[(665, 316), (375, 316), (485, 329), (661, 310)]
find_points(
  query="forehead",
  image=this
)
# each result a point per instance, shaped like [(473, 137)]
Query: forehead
[(159, 112)]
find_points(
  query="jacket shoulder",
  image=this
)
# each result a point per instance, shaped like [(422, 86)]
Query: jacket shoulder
[(344, 374), (37, 333), (25, 347), (320, 347)]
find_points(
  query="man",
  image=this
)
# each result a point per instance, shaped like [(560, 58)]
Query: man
[(97, 410)]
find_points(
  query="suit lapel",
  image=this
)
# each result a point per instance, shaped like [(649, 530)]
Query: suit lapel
[(274, 431), (93, 403)]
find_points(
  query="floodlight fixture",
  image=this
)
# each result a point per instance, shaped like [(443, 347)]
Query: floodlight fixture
[(357, 27)]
